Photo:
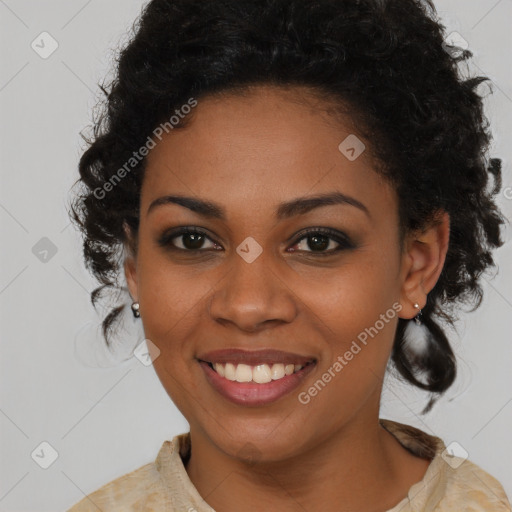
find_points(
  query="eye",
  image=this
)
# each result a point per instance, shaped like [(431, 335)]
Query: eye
[(188, 239), (321, 241)]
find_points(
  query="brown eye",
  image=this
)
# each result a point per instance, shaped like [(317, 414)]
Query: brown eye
[(192, 241), (322, 241), (187, 239), (318, 243)]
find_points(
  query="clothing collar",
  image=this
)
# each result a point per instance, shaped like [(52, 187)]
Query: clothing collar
[(422, 496)]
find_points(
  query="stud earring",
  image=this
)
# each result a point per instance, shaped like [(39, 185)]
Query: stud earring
[(135, 310)]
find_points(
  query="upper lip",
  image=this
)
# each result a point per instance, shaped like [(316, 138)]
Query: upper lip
[(254, 357)]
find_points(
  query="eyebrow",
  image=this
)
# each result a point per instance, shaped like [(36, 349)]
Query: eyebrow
[(298, 206)]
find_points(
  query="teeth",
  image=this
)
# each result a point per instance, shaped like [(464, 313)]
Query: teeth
[(219, 369), (277, 371), (260, 374), (243, 373)]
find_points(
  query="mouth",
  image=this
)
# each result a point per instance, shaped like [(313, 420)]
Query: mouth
[(255, 378)]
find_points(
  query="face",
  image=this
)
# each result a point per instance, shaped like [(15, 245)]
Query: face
[(267, 265)]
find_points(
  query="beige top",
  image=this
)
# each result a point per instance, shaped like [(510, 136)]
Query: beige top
[(450, 484)]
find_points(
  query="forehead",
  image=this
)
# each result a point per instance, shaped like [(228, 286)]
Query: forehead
[(264, 146)]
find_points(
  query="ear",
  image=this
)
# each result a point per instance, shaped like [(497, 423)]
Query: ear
[(422, 262), (130, 263)]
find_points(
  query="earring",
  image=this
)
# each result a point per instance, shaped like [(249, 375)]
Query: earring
[(416, 335), (417, 318), (135, 309)]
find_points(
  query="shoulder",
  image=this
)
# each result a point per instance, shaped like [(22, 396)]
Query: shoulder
[(141, 489), (466, 484), (450, 483)]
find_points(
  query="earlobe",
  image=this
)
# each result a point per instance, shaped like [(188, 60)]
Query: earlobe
[(423, 263)]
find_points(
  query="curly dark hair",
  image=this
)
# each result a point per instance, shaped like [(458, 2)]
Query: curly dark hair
[(384, 60)]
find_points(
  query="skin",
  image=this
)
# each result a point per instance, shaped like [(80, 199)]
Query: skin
[(249, 154)]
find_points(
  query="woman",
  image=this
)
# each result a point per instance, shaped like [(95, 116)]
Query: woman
[(301, 191)]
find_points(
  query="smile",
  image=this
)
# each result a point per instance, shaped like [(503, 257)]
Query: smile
[(255, 385)]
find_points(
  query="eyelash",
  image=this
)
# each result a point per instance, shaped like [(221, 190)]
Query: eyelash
[(340, 238)]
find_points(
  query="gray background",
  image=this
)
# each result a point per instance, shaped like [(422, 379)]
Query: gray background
[(105, 420)]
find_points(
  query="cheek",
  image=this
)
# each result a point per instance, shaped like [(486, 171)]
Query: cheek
[(170, 295), (355, 307), (354, 294), (172, 306)]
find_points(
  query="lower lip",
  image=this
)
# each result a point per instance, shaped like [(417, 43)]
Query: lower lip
[(252, 394)]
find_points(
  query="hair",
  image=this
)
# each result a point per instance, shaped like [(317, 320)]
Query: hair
[(386, 60)]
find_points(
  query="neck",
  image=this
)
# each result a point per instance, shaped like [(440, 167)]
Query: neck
[(359, 467)]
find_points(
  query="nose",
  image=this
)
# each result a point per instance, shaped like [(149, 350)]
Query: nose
[(252, 296)]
